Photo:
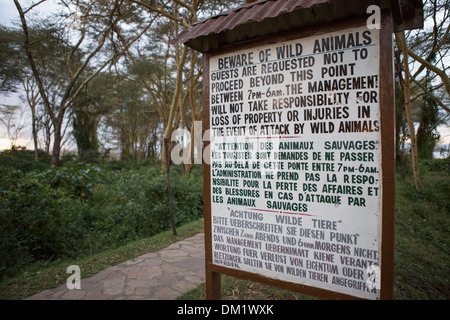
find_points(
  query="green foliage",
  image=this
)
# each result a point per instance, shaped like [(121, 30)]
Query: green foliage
[(22, 159), (136, 202), (435, 166), (73, 180), (30, 220), (427, 135), (80, 209)]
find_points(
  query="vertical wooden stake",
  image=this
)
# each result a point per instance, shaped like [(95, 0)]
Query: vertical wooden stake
[(212, 278), (169, 186), (212, 285), (387, 112)]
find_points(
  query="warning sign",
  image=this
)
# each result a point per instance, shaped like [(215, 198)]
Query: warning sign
[(295, 160)]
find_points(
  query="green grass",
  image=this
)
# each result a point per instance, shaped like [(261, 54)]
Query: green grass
[(42, 276), (422, 228)]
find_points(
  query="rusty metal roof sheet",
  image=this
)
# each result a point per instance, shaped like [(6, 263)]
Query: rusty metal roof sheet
[(255, 11), (251, 12), (266, 17)]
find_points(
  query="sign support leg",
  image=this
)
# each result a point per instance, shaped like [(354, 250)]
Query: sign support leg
[(212, 285)]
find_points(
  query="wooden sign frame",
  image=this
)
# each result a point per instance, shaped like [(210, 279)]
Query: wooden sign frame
[(387, 127)]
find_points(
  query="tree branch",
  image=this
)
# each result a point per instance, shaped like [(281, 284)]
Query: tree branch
[(160, 11), (432, 96), (85, 82), (433, 68), (32, 62), (34, 5), (181, 3), (64, 104), (178, 85)]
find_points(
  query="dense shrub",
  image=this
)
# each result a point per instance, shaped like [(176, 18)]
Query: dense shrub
[(22, 159), (435, 165), (136, 202), (74, 179), (81, 209), (29, 220)]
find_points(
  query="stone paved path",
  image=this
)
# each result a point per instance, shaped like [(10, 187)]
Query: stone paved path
[(161, 275)]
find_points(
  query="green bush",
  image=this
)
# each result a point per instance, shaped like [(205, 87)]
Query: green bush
[(137, 203), (435, 165), (75, 180), (22, 159), (29, 220), (80, 209)]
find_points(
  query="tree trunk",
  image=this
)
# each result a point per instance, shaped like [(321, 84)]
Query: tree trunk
[(192, 96), (406, 89), (169, 126), (34, 130)]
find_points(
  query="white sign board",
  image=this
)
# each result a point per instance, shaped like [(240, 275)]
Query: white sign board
[(295, 158)]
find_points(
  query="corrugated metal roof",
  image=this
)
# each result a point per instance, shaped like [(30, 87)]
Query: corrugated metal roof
[(266, 17), (251, 12), (255, 11)]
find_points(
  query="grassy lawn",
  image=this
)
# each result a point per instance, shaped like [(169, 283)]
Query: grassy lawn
[(422, 228)]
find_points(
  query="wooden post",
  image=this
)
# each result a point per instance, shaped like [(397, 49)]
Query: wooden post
[(212, 285), (387, 111), (169, 186), (212, 278)]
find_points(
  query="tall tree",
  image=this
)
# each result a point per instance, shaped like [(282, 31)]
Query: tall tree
[(427, 136), (423, 74), (83, 54), (180, 14), (131, 118), (429, 50), (177, 88), (8, 67), (12, 74), (406, 82), (88, 108)]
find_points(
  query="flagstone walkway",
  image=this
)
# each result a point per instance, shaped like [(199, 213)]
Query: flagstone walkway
[(160, 275)]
